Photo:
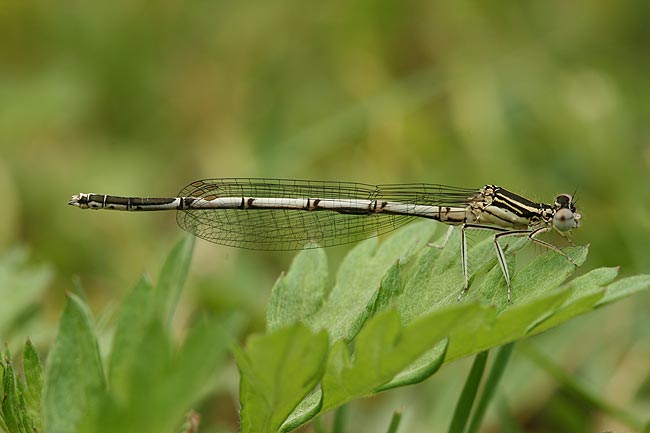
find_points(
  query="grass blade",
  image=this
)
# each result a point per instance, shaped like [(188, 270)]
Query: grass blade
[(173, 275), (499, 366), (467, 396), (340, 416), (394, 422)]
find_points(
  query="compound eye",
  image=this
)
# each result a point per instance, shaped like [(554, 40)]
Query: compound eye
[(565, 220), (563, 201)]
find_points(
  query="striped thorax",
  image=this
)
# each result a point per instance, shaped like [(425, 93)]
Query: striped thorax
[(494, 205)]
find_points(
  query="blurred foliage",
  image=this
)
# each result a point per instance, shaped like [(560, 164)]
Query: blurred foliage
[(141, 97), (151, 381), (22, 287)]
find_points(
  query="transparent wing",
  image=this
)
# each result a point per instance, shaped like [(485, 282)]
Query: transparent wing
[(293, 229)]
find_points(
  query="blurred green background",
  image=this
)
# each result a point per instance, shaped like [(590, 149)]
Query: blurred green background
[(143, 97)]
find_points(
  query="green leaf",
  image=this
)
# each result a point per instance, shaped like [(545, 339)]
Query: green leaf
[(624, 288), (307, 409), (203, 352), (384, 347), (298, 294), (25, 419), (132, 409), (390, 289), (11, 411), (517, 320), (148, 371), (134, 319), (421, 369), (16, 414), (353, 296), (423, 283), (74, 375), (173, 275), (152, 384), (33, 372), (585, 290), (544, 274), (277, 371), (160, 385), (436, 278)]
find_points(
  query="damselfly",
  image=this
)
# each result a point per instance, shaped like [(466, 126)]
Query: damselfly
[(282, 214)]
